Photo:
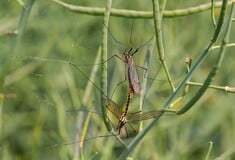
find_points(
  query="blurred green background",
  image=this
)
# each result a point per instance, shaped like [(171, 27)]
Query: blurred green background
[(36, 123)]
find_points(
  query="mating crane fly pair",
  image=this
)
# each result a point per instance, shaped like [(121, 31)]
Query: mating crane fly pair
[(123, 116), (121, 113)]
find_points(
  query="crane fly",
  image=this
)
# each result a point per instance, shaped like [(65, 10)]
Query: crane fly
[(132, 75)]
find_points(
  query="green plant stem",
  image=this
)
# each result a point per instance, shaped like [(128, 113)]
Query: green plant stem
[(96, 11), (209, 151), (213, 13), (144, 80), (218, 64), (223, 88), (228, 45), (104, 57), (201, 57), (159, 41)]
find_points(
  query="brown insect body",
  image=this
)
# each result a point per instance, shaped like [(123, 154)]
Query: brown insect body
[(132, 75)]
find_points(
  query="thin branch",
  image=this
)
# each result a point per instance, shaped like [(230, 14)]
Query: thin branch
[(97, 11)]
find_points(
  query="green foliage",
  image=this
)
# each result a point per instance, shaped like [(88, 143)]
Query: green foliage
[(46, 102)]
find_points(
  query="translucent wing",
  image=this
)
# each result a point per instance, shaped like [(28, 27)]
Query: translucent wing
[(112, 107), (131, 128), (139, 116)]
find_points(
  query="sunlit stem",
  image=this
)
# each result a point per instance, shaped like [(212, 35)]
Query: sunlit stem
[(209, 151), (159, 41)]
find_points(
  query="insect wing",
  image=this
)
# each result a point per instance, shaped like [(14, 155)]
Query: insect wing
[(139, 116), (133, 76), (113, 108)]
